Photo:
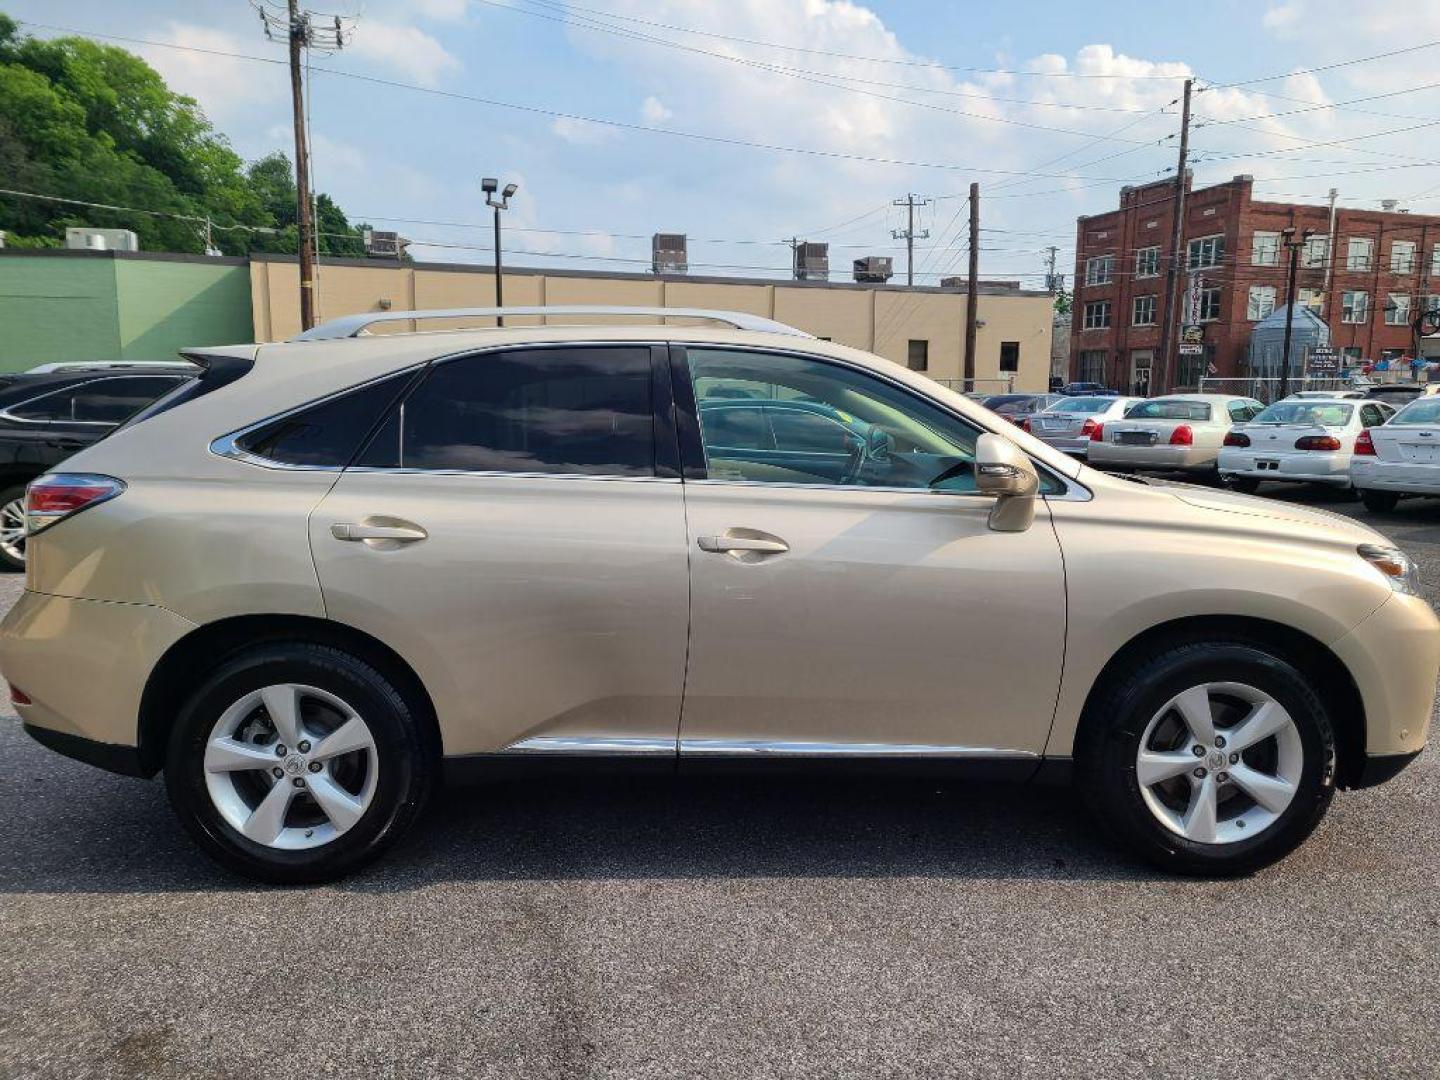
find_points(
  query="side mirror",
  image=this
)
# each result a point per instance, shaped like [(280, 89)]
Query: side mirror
[(1002, 469)]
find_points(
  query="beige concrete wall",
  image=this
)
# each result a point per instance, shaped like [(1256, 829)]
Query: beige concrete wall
[(883, 321)]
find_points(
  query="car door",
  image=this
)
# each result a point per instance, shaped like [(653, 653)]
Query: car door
[(515, 530), (48, 428), (873, 615)]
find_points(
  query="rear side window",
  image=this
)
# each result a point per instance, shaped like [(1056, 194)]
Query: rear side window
[(563, 410), (328, 433), (99, 401)]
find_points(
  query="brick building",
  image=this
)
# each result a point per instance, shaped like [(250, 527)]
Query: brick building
[(1368, 285)]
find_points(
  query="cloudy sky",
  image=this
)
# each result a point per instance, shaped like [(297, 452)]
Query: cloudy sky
[(1049, 106)]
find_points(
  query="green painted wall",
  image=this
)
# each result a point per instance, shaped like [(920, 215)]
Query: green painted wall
[(84, 307)]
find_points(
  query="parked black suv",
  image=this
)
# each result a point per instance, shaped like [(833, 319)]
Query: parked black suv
[(50, 412)]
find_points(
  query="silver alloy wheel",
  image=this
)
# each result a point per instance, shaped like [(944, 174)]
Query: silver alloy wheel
[(291, 766), (12, 529), (1219, 762)]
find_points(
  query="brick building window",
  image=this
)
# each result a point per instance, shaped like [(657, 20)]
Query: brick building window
[(1265, 249), (1359, 253), (1097, 315), (1354, 306), (1261, 302), (1206, 251), (1093, 363), (1311, 298), (1209, 304), (1100, 270), (1435, 260), (1147, 262), (1009, 356), (917, 355), (1402, 256), (1143, 313), (1397, 309), (1316, 252)]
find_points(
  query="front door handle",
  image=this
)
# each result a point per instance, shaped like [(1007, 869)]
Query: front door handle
[(348, 530), (741, 545)]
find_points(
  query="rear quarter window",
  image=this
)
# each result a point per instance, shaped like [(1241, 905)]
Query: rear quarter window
[(328, 433)]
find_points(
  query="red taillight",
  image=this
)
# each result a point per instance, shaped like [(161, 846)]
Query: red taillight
[(1236, 438), (1182, 436), (1095, 429), (19, 697), (1364, 445), (1317, 442), (1024, 423), (56, 496)]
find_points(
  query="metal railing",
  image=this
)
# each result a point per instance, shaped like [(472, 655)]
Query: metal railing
[(1003, 385), (1267, 389)]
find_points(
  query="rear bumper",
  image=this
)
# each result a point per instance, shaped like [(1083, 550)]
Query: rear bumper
[(1405, 477), (1068, 444), (1163, 457), (1305, 468), (84, 664)]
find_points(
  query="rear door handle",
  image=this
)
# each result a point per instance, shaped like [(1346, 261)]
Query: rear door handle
[(768, 545), (348, 530)]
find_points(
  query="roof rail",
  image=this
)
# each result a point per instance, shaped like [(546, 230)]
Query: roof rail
[(349, 326)]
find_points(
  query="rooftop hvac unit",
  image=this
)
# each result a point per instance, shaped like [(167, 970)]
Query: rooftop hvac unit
[(384, 245), (954, 282), (87, 239), (812, 262), (873, 269), (668, 253)]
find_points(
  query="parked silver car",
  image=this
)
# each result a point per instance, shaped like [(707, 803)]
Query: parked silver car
[(1179, 433), (1402, 458), (1073, 422)]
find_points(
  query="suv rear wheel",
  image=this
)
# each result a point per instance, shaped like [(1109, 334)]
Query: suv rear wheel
[(12, 528), (1209, 758), (296, 763)]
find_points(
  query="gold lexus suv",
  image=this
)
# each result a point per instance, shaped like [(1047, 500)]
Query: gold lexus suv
[(327, 571)]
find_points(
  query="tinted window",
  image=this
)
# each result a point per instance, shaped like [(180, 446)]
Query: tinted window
[(562, 410), (743, 429), (329, 433), (808, 432), (99, 401)]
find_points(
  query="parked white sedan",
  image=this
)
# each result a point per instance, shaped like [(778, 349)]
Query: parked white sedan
[(1402, 458), (1304, 440), (1072, 423), (1182, 432)]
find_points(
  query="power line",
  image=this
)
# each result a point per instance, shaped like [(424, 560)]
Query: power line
[(1326, 67)]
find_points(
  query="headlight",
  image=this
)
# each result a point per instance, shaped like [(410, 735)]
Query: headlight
[(1399, 569)]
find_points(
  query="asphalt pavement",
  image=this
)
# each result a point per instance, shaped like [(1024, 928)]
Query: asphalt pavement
[(719, 929)]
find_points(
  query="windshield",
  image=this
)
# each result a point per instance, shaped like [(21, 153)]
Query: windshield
[(1169, 409), (1082, 404), (1424, 411), (1311, 413)]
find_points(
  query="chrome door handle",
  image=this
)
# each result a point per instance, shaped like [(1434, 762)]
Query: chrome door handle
[(733, 544), (347, 530)]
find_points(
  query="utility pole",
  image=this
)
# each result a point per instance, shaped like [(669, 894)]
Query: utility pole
[(302, 31), (1052, 283), (1177, 232), (972, 288), (909, 235), (1293, 245)]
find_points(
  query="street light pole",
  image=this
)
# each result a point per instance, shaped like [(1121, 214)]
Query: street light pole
[(489, 185), (1294, 246)]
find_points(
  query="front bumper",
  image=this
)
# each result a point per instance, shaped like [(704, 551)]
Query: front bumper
[(1303, 468), (84, 664), (1405, 477), (1162, 458), (1394, 658)]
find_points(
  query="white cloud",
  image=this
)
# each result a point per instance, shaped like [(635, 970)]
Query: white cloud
[(441, 10), (226, 88), (1283, 17), (654, 112), (404, 49), (582, 132)]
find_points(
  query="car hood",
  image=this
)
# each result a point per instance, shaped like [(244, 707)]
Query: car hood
[(1284, 514)]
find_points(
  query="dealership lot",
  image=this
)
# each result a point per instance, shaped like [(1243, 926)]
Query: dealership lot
[(719, 928)]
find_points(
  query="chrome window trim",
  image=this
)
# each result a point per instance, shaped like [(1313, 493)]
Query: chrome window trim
[(805, 748), (7, 414), (1074, 490)]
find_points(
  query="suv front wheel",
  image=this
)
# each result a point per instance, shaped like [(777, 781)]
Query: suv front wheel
[(297, 763), (1209, 757)]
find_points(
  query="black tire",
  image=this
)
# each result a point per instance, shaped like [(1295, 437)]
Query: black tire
[(1381, 502), (8, 562), (407, 771), (1245, 485), (1116, 719)]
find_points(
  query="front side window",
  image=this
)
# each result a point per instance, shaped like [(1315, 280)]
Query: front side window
[(1144, 311), (1397, 311), (1402, 256), (1100, 270), (1260, 303), (1097, 315), (565, 410), (1354, 306), (832, 425), (99, 401), (1147, 262), (1359, 253), (327, 434), (1265, 249), (1206, 251)]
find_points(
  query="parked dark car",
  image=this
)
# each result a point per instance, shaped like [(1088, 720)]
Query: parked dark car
[(51, 412), (1395, 394), (1086, 389), (1015, 407)]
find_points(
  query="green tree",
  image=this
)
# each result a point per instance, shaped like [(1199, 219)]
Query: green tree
[(1063, 301)]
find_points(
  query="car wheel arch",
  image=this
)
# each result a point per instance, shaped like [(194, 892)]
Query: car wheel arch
[(1333, 679), (184, 664)]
